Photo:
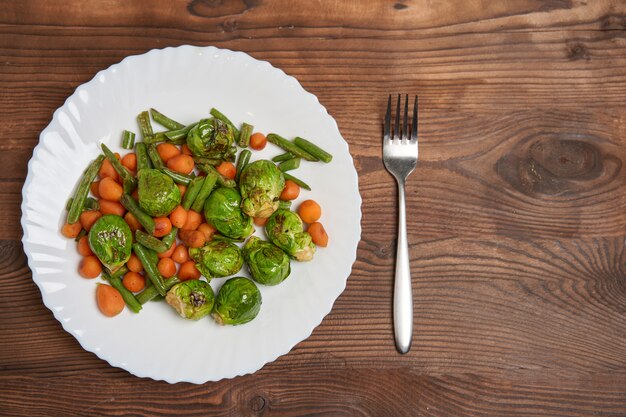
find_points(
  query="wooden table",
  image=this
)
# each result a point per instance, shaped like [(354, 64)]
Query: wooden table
[(517, 207)]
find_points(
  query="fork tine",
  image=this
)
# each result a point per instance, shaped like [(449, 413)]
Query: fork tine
[(387, 127), (396, 126), (405, 119), (414, 127)]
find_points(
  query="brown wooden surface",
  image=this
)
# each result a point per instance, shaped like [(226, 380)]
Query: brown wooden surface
[(517, 207)]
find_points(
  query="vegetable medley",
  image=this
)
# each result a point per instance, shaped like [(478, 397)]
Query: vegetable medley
[(162, 221)]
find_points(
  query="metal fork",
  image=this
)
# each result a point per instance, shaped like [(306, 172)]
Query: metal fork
[(400, 158)]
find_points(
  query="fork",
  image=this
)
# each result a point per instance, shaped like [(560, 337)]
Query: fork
[(400, 158)]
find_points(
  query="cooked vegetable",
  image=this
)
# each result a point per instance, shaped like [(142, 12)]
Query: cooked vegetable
[(144, 125), (267, 263), (180, 255), (71, 231), (110, 301), (227, 169), (88, 218), (178, 216), (162, 226), (309, 211), (242, 162), (318, 234), (143, 160), (109, 189), (192, 238), (218, 115), (134, 264), (217, 259), (151, 293), (150, 242), (313, 149), (158, 194), (285, 205), (283, 157), (110, 239), (128, 180), (82, 246), (142, 217), (154, 156), (290, 192), (188, 271), (182, 164), (167, 151), (194, 219), (177, 176), (166, 267), (149, 261), (127, 296), (301, 183), (165, 121), (290, 147), (130, 162), (191, 299), (258, 141), (107, 170), (192, 192), (83, 189), (205, 191), (244, 135), (237, 302), (261, 183), (89, 267), (128, 139), (178, 136), (284, 229), (134, 281), (212, 138), (289, 164), (223, 210), (222, 181)]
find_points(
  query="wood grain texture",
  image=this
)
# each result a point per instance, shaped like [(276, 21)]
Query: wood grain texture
[(517, 208)]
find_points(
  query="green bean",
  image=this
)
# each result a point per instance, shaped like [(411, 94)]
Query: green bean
[(143, 161), (290, 147), (226, 238), (163, 120), (286, 205), (157, 162), (170, 238), (221, 180), (177, 177), (283, 157), (156, 138), (313, 149), (297, 181), (144, 125), (91, 204), (142, 217), (180, 134), (69, 203), (150, 267), (206, 161), (242, 162), (128, 180), (129, 297), (83, 189), (151, 293), (289, 164), (218, 115), (128, 139), (150, 241), (192, 192), (205, 191), (244, 135)]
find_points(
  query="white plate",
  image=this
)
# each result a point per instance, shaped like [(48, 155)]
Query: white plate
[(185, 82)]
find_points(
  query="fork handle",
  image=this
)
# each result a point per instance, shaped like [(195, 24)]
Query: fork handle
[(402, 294)]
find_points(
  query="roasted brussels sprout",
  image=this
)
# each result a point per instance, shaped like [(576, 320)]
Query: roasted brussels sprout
[(192, 299), (260, 183), (158, 194), (111, 240), (284, 229), (237, 302), (222, 210), (212, 138), (217, 259), (267, 263)]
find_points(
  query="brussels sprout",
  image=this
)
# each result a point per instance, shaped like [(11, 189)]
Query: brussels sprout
[(212, 138), (111, 240), (267, 263), (284, 229), (222, 210), (158, 194), (192, 299), (261, 183), (237, 302), (217, 259)]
